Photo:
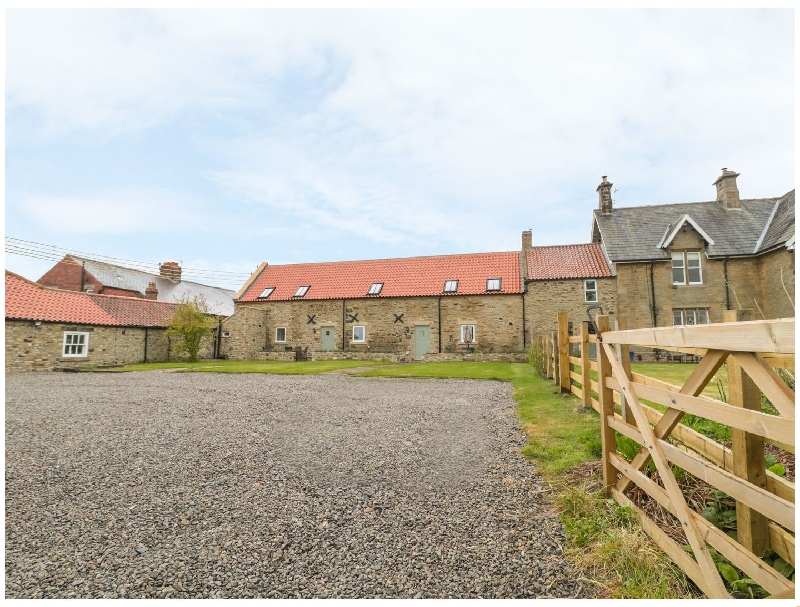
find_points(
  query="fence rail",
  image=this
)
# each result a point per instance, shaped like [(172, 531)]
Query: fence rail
[(765, 511)]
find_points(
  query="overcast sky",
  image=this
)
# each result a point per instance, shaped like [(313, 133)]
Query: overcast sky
[(222, 139)]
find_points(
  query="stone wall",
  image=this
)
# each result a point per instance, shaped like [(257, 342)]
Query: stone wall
[(777, 277), (546, 298), (32, 348), (388, 323)]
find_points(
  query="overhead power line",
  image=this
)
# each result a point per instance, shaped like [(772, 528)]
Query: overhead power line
[(36, 250)]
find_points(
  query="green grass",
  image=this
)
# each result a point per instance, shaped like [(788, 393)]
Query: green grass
[(247, 366)]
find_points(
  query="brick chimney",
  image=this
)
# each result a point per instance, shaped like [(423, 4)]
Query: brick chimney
[(604, 190), (727, 190), (151, 292), (171, 270), (527, 240)]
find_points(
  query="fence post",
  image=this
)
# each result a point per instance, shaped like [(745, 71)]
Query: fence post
[(748, 449), (586, 377), (554, 354), (563, 351), (623, 352), (608, 436)]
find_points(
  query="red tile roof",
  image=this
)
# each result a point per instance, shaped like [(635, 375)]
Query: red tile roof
[(26, 300), (567, 261), (401, 277)]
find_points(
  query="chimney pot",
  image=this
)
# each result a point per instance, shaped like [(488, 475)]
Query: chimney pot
[(605, 205)]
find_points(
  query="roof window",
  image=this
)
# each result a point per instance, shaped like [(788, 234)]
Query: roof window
[(266, 292), (493, 284), (301, 291), (375, 289), (450, 286)]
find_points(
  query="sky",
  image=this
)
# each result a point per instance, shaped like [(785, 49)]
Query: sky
[(222, 139)]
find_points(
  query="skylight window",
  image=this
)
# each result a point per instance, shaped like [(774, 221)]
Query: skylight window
[(450, 286), (493, 284), (266, 292), (375, 289), (301, 291)]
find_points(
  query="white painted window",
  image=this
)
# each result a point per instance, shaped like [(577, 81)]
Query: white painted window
[(375, 289), (359, 334), (686, 264), (450, 286), (76, 344), (266, 292), (493, 284), (590, 290), (280, 334), (690, 316), (301, 291), (467, 334)]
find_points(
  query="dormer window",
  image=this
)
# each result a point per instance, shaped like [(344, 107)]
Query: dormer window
[(493, 284), (301, 291), (450, 286), (375, 289), (266, 292)]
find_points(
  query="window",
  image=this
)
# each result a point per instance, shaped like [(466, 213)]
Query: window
[(301, 291), (467, 334), (450, 286), (590, 290), (493, 284), (266, 292), (76, 344), (690, 316), (359, 335), (280, 334), (375, 289), (686, 263)]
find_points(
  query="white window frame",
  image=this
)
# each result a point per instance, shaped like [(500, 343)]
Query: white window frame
[(280, 341), (464, 329), (266, 293), (81, 350), (301, 291), (683, 315), (450, 283), (375, 289), (681, 260), (363, 334), (490, 281), (587, 291)]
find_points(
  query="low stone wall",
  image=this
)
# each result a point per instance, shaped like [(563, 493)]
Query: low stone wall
[(279, 356), (504, 357), (381, 356)]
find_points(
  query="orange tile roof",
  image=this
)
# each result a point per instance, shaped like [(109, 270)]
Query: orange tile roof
[(26, 300), (401, 277), (567, 261)]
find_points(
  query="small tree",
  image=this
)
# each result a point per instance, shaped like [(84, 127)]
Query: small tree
[(189, 324)]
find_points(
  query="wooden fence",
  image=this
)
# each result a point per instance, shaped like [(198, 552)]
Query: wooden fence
[(764, 501)]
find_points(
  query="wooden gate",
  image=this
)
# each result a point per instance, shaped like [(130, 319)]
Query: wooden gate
[(765, 513)]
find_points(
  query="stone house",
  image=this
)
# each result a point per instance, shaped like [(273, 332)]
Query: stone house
[(47, 328), (686, 263), (75, 273)]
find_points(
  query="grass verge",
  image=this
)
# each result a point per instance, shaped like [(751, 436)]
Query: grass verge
[(247, 366)]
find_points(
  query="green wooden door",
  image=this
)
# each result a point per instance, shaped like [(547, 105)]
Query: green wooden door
[(328, 339), (422, 341)]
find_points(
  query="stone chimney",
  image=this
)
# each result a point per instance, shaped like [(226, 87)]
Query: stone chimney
[(527, 240), (151, 292), (604, 190), (171, 270), (727, 190)]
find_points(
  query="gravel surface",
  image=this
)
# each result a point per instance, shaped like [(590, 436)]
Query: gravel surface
[(162, 484)]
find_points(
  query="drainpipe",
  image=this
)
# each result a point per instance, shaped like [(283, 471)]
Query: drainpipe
[(145, 344), (440, 324), (83, 271), (653, 294), (343, 323), (219, 337), (727, 289)]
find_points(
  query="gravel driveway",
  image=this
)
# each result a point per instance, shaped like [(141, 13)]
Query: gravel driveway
[(213, 485)]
